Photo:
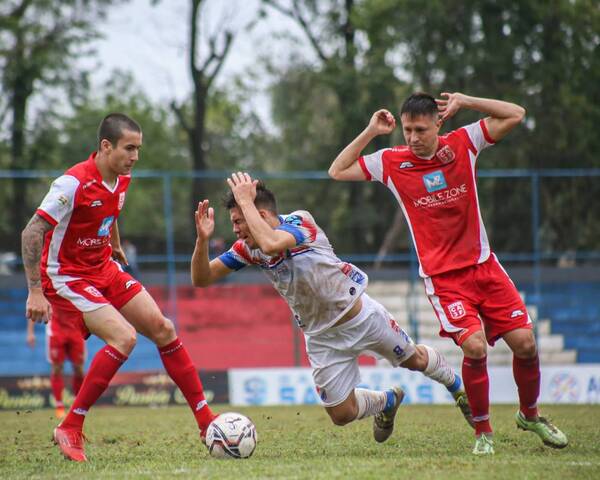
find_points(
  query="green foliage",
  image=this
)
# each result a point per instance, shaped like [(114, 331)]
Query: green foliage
[(300, 442)]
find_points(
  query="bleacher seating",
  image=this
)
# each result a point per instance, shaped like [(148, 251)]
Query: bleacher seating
[(234, 325)]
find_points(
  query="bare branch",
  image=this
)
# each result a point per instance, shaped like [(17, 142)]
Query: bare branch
[(220, 58), (296, 15)]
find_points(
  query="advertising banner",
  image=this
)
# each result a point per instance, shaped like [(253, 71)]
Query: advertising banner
[(133, 389), (292, 386)]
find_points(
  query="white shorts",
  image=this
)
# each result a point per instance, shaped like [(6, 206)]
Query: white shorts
[(334, 353)]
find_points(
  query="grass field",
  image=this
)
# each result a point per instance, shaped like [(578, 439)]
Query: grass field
[(300, 442)]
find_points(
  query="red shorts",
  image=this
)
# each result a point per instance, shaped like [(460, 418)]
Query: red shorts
[(465, 299), (64, 337), (86, 293)]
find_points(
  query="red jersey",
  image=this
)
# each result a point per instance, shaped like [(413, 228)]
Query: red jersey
[(82, 208), (438, 197)]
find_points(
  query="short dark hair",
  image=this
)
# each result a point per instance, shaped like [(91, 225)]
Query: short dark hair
[(112, 126), (418, 104), (265, 199)]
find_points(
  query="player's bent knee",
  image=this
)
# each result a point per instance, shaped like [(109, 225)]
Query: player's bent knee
[(526, 349), (474, 348), (164, 332), (124, 340), (417, 361)]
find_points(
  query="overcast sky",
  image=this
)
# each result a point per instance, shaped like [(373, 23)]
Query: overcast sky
[(152, 42)]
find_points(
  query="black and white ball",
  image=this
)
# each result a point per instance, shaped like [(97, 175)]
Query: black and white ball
[(231, 435)]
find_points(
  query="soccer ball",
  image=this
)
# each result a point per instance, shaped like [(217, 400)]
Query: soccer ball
[(231, 435)]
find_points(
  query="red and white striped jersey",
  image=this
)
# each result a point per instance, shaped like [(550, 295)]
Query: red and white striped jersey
[(438, 197), (82, 208)]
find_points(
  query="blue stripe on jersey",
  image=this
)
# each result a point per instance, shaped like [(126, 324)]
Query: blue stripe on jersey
[(295, 231), (230, 261)]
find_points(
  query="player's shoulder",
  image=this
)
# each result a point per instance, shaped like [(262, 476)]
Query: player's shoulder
[(297, 216)]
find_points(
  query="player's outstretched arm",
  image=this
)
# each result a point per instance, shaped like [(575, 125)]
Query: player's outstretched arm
[(205, 272), (37, 307), (503, 116), (269, 240), (346, 166)]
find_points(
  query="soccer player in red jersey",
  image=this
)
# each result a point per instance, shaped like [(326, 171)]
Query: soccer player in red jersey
[(67, 249), (433, 178), (64, 340)]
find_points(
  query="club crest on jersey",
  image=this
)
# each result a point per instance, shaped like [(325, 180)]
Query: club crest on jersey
[(456, 310), (435, 181), (104, 229), (121, 200), (445, 155), (92, 291)]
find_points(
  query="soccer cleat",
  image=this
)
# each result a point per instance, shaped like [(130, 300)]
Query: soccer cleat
[(462, 402), (484, 445), (543, 428), (59, 413), (383, 422), (70, 442)]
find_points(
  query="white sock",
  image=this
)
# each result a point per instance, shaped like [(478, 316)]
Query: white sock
[(438, 369), (370, 402)]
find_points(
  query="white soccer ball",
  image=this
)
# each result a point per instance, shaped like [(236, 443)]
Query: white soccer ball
[(231, 435)]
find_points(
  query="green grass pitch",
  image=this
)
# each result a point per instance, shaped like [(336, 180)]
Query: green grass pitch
[(429, 442)]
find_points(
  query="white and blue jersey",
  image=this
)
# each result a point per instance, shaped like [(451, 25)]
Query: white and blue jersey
[(316, 284)]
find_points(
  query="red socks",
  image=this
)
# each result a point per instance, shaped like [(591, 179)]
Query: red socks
[(77, 381), (105, 364), (57, 384), (180, 368), (527, 377), (477, 386)]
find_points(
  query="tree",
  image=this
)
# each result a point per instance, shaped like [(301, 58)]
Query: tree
[(41, 39), (203, 72)]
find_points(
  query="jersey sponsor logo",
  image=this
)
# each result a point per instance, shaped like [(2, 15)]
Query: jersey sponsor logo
[(63, 200), (406, 165), (88, 184), (96, 203), (352, 273), (93, 291), (456, 310), (441, 198), (104, 229), (445, 155), (435, 181), (92, 242), (517, 313), (130, 283), (121, 200)]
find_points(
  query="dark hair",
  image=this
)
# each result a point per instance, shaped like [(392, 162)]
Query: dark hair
[(265, 199), (418, 104), (112, 126)]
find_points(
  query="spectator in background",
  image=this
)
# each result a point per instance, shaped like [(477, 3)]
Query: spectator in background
[(64, 340), (131, 253)]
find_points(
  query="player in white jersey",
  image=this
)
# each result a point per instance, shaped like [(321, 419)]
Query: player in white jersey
[(327, 297)]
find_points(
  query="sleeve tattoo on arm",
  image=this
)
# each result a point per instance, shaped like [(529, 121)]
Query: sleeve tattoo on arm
[(32, 242)]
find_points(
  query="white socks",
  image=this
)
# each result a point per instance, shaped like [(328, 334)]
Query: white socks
[(370, 402), (437, 368)]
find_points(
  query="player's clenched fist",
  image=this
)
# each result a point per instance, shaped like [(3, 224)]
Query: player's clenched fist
[(205, 220), (382, 122), (37, 307)]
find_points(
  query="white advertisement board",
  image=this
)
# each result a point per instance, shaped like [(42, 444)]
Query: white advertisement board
[(293, 386)]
